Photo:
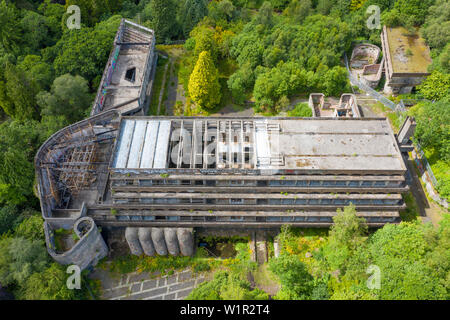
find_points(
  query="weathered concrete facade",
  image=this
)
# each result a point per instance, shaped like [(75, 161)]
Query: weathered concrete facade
[(87, 251), (406, 60), (364, 63), (346, 107), (72, 165), (161, 177)]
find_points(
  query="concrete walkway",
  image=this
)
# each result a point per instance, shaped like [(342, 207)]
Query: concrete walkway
[(146, 286)]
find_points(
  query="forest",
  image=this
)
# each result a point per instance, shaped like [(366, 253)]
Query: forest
[(240, 52)]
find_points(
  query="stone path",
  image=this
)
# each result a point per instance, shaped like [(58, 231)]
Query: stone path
[(146, 286)]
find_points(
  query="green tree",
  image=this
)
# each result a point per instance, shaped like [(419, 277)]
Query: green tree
[(164, 19), (35, 31), (296, 282), (38, 71), (336, 81), (82, 52), (17, 94), (413, 10), (204, 41), (69, 91), (49, 284), (433, 125), (20, 258), (10, 29), (19, 142), (204, 87), (400, 251), (9, 218), (221, 10), (191, 12), (345, 237), (436, 29), (31, 228), (436, 86)]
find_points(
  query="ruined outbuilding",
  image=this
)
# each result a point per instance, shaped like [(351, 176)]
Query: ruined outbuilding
[(407, 58)]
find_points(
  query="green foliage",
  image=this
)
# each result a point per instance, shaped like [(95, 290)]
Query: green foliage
[(191, 12), (433, 125), (20, 258), (69, 91), (35, 31), (436, 86), (37, 71), (163, 19), (400, 251), (83, 51), (204, 87), (19, 142), (10, 28), (31, 228), (94, 10), (413, 11), (17, 94), (50, 284), (300, 110), (285, 58), (436, 29), (9, 218), (295, 279), (346, 235), (226, 286)]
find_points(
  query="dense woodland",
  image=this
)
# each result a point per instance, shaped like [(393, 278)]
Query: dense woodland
[(255, 52)]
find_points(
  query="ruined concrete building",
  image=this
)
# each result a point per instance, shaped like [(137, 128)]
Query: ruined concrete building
[(407, 58), (346, 107), (158, 178), (364, 64)]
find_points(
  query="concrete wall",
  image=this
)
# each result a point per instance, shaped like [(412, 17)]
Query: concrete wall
[(89, 249)]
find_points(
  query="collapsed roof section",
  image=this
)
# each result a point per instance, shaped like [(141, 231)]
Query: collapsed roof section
[(73, 163), (124, 81)]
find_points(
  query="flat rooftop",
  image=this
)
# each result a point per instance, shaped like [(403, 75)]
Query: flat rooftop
[(256, 143), (125, 72), (407, 53)]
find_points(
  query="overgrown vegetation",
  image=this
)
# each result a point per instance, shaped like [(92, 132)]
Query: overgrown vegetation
[(260, 52), (335, 267)]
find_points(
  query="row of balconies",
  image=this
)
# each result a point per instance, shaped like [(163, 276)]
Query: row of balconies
[(258, 183)]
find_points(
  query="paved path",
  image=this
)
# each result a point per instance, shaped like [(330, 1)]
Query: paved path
[(146, 286)]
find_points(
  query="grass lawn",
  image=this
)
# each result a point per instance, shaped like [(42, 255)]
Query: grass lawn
[(153, 110)]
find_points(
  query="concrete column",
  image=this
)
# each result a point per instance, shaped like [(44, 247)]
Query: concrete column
[(158, 241), (186, 241), (145, 238), (170, 236), (131, 235)]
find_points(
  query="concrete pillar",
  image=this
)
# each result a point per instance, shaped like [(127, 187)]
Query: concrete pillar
[(131, 235), (170, 236), (276, 248), (158, 241), (145, 238), (186, 241)]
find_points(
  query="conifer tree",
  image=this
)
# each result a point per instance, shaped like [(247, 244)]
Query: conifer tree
[(204, 87)]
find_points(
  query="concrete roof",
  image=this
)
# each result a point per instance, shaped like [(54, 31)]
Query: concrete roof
[(407, 53), (299, 143)]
